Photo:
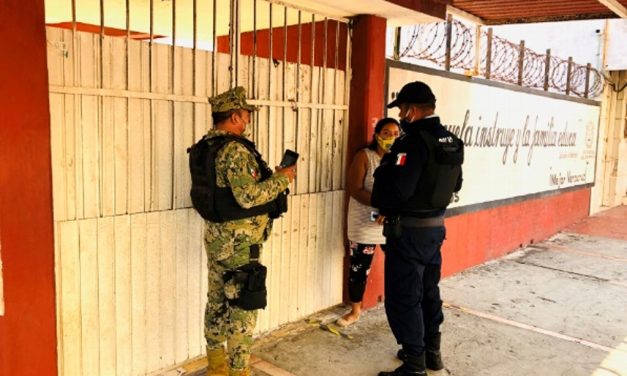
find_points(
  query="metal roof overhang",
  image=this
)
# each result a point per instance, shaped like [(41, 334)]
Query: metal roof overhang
[(497, 12), (487, 12)]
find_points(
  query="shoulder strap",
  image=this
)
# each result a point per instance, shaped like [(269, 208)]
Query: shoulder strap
[(223, 139), (254, 253)]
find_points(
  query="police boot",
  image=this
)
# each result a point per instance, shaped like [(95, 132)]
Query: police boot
[(216, 362), (240, 372), (432, 352), (413, 365), (433, 357)]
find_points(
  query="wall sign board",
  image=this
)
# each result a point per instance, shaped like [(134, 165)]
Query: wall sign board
[(517, 143)]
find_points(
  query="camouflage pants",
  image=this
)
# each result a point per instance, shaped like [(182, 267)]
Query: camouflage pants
[(226, 323)]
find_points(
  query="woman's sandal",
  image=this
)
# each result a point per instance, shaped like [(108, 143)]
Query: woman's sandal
[(342, 322)]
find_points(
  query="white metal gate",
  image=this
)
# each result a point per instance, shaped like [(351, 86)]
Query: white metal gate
[(125, 105)]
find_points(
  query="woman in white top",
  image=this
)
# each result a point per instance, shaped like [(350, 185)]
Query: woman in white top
[(365, 228)]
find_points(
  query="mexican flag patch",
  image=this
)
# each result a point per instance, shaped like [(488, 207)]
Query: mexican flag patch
[(400, 159)]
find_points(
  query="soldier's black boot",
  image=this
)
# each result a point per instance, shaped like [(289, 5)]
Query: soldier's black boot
[(432, 353), (413, 365), (401, 355), (433, 357)]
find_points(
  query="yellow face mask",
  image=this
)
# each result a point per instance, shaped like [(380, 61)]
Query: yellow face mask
[(384, 143)]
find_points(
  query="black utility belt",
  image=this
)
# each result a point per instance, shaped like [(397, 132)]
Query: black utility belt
[(393, 226), (421, 222)]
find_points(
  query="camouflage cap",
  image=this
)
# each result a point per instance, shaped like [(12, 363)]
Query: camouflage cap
[(233, 99)]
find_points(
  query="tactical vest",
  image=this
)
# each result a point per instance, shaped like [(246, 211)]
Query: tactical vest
[(440, 175), (217, 204)]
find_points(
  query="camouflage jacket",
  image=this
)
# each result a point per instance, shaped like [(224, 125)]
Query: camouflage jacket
[(237, 168)]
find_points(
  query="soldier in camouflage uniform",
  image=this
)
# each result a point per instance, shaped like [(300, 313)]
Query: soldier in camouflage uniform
[(228, 243)]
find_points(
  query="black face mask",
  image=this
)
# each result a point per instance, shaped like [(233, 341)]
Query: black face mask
[(405, 124)]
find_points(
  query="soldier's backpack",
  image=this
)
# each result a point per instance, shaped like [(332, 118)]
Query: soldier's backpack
[(217, 204)]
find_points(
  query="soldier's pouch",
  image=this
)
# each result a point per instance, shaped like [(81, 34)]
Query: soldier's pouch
[(253, 293)]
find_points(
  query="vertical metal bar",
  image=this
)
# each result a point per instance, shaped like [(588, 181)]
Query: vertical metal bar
[(214, 76), (313, 58), (335, 70), (255, 88), (298, 59), (322, 111), (237, 39), (151, 106), (194, 46), (126, 43), (173, 48), (270, 55), (128, 100), (284, 71), (316, 165), (231, 42), (397, 44), (488, 55), (173, 109), (150, 42), (102, 34), (100, 143), (349, 51), (254, 77), (568, 74), (547, 69), (325, 51), (173, 24), (337, 53), (587, 87), (449, 38), (521, 62), (284, 50), (73, 17), (74, 43)]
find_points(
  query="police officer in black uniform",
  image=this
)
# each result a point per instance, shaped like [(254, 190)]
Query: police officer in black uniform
[(413, 186)]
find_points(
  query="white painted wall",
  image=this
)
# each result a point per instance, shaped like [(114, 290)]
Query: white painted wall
[(616, 58), (515, 142)]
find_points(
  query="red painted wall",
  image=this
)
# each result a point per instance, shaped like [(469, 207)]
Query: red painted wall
[(365, 109), (474, 238), (27, 329), (278, 40), (368, 80)]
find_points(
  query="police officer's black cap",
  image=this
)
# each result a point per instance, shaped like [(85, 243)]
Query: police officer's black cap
[(414, 92)]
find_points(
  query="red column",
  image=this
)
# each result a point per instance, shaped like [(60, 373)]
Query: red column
[(27, 329), (365, 109)]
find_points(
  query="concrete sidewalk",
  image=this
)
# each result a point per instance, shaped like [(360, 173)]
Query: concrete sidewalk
[(554, 308)]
